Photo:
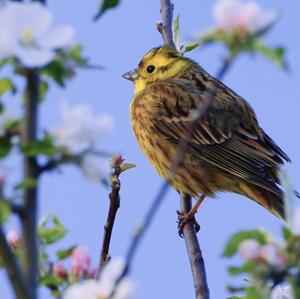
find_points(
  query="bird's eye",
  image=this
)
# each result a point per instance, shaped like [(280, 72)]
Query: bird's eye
[(150, 69)]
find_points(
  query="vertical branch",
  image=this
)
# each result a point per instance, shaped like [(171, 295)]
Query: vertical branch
[(29, 217), (114, 198), (194, 252), (13, 269), (165, 25)]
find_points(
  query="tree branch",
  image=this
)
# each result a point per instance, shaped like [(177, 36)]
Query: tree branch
[(165, 25), (29, 219), (13, 269), (114, 199), (194, 252)]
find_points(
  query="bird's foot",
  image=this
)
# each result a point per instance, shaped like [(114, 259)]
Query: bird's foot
[(183, 219)]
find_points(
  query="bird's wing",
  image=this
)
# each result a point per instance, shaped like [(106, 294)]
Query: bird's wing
[(227, 136)]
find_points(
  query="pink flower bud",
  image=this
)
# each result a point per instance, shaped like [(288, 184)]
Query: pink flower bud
[(249, 249), (81, 261), (271, 254), (92, 273), (59, 270), (13, 238)]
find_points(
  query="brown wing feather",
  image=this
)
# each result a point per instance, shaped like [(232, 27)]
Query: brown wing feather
[(228, 136)]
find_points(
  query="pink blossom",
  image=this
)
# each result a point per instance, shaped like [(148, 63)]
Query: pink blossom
[(92, 273), (234, 15), (81, 261), (13, 238), (59, 270), (249, 249), (271, 254)]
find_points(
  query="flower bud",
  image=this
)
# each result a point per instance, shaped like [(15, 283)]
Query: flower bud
[(13, 238), (59, 270), (81, 261)]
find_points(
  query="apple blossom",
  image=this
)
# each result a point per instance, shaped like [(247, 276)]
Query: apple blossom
[(234, 15), (81, 261), (282, 292), (13, 238), (26, 33), (81, 128), (102, 288), (270, 253), (249, 249)]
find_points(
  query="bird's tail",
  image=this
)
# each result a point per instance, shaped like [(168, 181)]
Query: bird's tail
[(274, 202)]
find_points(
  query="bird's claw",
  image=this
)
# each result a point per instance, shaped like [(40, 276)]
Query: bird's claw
[(183, 219)]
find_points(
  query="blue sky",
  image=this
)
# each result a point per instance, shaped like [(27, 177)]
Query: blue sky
[(118, 41)]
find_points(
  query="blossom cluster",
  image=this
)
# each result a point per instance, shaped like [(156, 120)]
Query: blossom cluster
[(79, 134), (242, 17), (273, 265), (27, 34)]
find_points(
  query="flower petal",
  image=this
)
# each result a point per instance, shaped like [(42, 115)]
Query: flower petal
[(33, 16), (32, 58), (58, 37)]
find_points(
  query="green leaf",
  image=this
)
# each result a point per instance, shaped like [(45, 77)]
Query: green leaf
[(6, 85), (5, 146), (234, 297), (5, 210), (275, 54), (44, 87), (76, 55), (255, 293), (233, 243), (126, 166), (62, 254), (287, 233), (50, 280), (50, 235), (176, 32), (40, 147), (189, 47), (104, 6), (57, 71), (245, 268), (26, 184)]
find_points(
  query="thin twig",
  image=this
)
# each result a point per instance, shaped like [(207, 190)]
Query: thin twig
[(29, 219), (17, 279), (114, 198)]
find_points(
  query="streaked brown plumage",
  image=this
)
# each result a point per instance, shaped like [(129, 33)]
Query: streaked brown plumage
[(228, 151)]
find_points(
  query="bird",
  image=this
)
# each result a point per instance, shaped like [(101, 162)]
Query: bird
[(227, 150)]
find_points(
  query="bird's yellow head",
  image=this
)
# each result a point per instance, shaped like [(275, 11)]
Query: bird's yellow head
[(158, 64)]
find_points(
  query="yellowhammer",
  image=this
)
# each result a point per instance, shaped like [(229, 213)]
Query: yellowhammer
[(228, 150)]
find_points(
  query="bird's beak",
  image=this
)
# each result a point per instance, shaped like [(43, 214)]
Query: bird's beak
[(132, 76)]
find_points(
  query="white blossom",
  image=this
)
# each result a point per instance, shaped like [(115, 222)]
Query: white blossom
[(101, 289), (249, 249), (26, 32), (95, 168), (282, 292), (234, 15), (81, 128)]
